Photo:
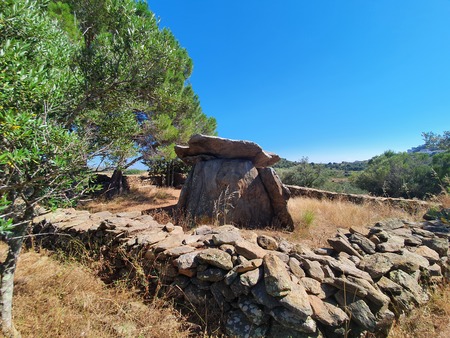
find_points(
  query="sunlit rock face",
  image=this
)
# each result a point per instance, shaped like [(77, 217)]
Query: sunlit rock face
[(230, 182)]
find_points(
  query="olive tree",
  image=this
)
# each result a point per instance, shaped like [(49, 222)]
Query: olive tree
[(41, 162)]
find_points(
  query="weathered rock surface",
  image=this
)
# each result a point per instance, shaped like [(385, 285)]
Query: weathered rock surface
[(230, 183), (218, 147), (268, 287)]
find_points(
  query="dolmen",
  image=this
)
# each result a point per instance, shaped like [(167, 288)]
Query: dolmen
[(231, 182)]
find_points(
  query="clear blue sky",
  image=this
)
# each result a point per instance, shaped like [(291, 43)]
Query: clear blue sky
[(331, 80)]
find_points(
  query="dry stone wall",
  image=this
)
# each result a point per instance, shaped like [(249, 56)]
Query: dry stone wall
[(409, 205), (269, 287)]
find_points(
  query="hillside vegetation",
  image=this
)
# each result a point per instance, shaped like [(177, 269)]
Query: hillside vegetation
[(405, 174)]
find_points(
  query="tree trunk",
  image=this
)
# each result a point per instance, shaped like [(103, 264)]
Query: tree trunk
[(8, 267), (116, 185)]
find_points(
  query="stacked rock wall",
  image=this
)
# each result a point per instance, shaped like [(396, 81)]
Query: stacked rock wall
[(411, 206), (268, 286)]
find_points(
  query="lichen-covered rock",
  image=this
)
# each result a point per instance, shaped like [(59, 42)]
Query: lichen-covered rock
[(440, 245), (292, 321), (376, 265), (428, 253), (216, 257), (211, 275), (326, 313), (267, 242), (238, 325), (251, 278), (226, 237), (254, 312), (294, 265), (297, 302), (249, 250), (277, 280), (361, 314), (402, 278)]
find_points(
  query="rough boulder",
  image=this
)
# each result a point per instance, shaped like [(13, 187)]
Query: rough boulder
[(231, 182)]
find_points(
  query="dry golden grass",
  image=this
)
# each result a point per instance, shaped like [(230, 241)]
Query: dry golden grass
[(68, 300), (431, 320), (317, 220), (137, 199), (52, 299)]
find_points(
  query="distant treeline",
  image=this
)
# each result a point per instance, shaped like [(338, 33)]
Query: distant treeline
[(405, 174)]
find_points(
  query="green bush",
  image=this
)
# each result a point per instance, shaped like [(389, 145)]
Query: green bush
[(405, 175)]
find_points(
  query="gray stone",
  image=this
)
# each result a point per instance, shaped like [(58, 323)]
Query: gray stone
[(393, 244), (403, 302), (226, 237), (216, 257), (376, 265), (186, 261), (238, 288), (435, 270), (267, 242), (285, 246), (361, 314), (348, 286), (342, 244), (276, 277), (227, 149), (326, 313), (385, 319), (313, 269), (311, 285), (177, 251), (251, 278), (220, 299), (224, 290), (233, 189), (248, 265), (254, 312), (297, 302), (415, 258), (363, 242), (249, 250), (203, 230), (374, 295), (428, 253), (262, 297), (238, 325), (196, 296), (170, 242), (390, 224), (211, 275), (423, 233), (292, 321), (402, 278), (294, 265), (284, 257), (440, 245)]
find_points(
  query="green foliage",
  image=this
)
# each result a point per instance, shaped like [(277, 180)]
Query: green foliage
[(134, 172), (66, 20), (437, 141), (136, 70), (405, 175), (40, 161), (307, 218), (303, 174)]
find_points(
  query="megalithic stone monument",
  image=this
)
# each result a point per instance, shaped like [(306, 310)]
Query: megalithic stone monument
[(231, 182)]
